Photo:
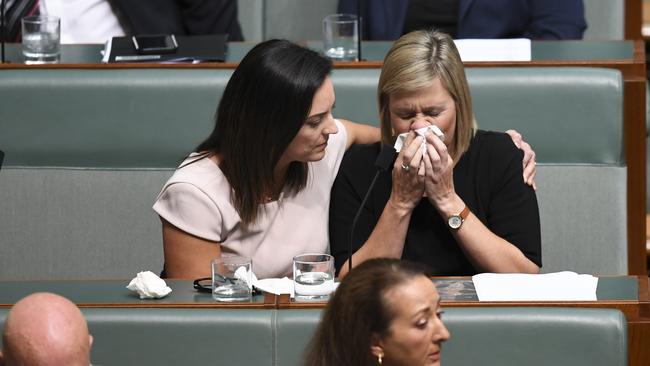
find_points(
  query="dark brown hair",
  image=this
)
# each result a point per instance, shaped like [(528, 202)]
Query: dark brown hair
[(264, 105), (357, 310)]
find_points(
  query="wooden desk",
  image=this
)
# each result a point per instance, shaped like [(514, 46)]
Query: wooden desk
[(630, 295), (114, 294), (625, 56)]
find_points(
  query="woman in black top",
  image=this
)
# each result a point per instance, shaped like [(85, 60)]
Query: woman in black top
[(458, 204)]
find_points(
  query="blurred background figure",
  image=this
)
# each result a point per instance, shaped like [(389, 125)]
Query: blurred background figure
[(385, 312), (96, 21), (534, 19), (45, 329)]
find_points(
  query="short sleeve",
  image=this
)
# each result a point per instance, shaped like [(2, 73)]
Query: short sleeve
[(190, 209), (336, 148)]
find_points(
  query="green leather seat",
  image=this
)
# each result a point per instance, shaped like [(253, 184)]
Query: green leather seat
[(528, 336), (87, 157)]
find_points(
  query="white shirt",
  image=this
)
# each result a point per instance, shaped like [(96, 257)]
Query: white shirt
[(84, 21)]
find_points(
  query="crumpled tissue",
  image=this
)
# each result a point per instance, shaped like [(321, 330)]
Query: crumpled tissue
[(420, 131), (277, 286), (149, 286), (272, 285)]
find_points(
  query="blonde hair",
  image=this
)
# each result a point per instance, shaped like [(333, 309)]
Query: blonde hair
[(414, 62)]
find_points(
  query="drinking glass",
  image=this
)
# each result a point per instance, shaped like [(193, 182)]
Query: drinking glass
[(313, 277), (231, 278), (41, 39), (341, 37)]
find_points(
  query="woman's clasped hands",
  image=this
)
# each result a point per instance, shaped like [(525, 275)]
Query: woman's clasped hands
[(422, 170)]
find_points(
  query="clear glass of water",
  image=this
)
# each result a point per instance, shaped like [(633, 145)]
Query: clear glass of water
[(231, 278), (313, 277), (41, 39), (340, 37)]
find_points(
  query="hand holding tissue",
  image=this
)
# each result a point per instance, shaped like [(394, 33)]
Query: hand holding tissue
[(149, 286), (399, 143)]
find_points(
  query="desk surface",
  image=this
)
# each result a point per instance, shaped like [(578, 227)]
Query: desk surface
[(373, 51), (113, 293)]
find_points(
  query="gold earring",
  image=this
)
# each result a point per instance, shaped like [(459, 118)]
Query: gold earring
[(379, 359)]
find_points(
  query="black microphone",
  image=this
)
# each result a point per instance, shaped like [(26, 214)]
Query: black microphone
[(4, 31), (384, 161), (359, 31), (2, 156)]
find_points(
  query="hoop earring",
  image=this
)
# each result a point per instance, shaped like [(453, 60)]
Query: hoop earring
[(379, 359)]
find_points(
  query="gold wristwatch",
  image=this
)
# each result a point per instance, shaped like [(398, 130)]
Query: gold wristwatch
[(455, 221)]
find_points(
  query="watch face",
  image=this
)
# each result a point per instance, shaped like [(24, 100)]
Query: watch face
[(455, 222)]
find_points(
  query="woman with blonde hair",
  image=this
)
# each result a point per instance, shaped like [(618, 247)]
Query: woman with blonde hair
[(456, 202)]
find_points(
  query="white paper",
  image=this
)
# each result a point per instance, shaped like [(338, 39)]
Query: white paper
[(516, 49), (279, 286), (558, 286), (149, 286), (276, 286), (106, 53)]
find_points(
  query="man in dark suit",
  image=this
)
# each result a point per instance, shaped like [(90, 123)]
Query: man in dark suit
[(180, 17), (534, 19)]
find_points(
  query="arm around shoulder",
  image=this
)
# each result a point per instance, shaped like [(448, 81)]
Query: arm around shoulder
[(360, 133)]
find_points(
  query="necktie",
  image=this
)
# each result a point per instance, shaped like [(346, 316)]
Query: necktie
[(16, 10)]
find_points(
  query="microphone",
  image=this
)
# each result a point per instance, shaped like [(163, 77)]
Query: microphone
[(359, 31), (384, 161), (2, 156), (4, 31)]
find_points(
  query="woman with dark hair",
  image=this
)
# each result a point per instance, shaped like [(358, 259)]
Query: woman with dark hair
[(259, 185), (385, 312)]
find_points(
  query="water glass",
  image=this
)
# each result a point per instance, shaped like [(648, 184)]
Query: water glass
[(313, 277), (41, 39), (231, 278), (341, 37)]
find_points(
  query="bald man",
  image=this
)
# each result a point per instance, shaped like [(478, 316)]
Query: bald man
[(45, 329)]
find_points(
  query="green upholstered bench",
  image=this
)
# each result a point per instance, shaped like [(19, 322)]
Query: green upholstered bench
[(479, 336), (87, 151)]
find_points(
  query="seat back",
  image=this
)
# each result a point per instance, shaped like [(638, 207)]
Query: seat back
[(500, 336), (84, 165), (605, 19)]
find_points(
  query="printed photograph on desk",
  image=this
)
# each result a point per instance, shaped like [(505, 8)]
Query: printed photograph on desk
[(456, 289)]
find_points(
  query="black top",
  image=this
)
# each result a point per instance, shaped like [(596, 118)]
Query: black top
[(489, 179), (427, 14)]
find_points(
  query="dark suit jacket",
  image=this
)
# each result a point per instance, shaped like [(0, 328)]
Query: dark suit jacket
[(180, 17), (534, 19)]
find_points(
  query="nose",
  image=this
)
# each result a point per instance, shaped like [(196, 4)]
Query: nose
[(330, 127), (419, 121), (441, 333)]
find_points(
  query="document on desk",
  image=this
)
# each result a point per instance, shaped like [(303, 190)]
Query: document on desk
[(517, 49), (558, 286)]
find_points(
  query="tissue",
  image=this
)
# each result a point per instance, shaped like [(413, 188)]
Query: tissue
[(242, 274), (149, 286), (420, 131)]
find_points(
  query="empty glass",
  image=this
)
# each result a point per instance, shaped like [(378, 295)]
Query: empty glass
[(231, 278), (341, 37)]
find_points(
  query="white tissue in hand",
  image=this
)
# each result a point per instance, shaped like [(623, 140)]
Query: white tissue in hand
[(420, 131), (149, 286)]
